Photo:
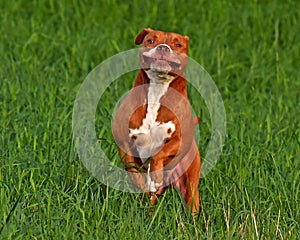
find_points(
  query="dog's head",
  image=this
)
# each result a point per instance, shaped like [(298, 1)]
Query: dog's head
[(163, 52)]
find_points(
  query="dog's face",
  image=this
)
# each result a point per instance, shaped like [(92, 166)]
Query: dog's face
[(163, 52)]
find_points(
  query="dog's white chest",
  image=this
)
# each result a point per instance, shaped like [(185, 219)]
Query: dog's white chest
[(152, 134)]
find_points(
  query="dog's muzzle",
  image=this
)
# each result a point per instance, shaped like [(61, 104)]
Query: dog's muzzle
[(161, 58)]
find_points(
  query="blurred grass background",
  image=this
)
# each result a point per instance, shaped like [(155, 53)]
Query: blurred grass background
[(251, 50)]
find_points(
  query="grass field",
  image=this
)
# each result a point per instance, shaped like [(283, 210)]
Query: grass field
[(250, 48)]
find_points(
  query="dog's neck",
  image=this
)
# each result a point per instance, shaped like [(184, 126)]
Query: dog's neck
[(158, 86)]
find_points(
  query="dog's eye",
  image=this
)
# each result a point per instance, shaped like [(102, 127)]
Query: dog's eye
[(178, 45), (150, 41)]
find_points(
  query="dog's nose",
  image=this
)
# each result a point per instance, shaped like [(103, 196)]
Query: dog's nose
[(163, 48)]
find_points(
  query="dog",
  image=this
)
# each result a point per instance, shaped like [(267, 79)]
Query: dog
[(153, 127)]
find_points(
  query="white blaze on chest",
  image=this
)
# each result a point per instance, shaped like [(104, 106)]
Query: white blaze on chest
[(152, 134), (155, 92)]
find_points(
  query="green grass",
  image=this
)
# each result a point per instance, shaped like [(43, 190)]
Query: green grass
[(250, 48)]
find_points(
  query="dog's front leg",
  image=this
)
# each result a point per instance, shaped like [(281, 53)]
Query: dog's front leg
[(159, 160), (134, 168)]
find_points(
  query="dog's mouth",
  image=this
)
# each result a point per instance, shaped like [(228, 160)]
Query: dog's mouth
[(162, 61), (159, 62)]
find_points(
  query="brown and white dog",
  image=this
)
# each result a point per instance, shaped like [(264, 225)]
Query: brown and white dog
[(154, 127)]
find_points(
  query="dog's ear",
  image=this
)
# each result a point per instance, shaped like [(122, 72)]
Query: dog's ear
[(140, 37), (186, 37)]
